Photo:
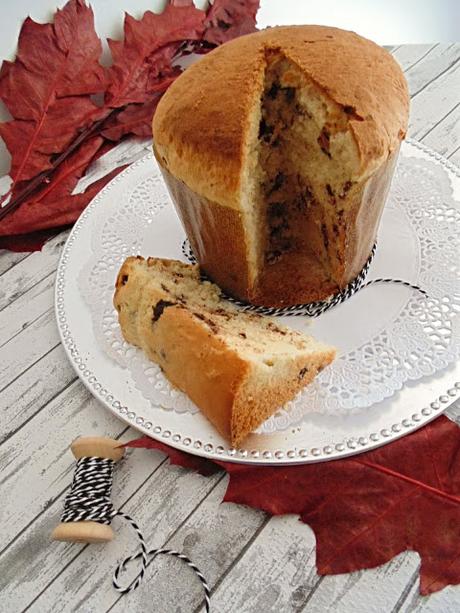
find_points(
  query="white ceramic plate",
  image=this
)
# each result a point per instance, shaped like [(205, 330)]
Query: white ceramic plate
[(337, 428)]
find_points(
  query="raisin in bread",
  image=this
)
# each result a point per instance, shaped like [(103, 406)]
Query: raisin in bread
[(281, 168), (239, 368)]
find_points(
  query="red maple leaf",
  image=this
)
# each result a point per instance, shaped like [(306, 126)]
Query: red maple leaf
[(47, 88), (366, 509)]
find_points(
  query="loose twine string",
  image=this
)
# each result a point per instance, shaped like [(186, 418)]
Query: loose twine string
[(313, 309), (89, 500)]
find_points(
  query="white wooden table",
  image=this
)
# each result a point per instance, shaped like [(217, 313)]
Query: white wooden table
[(252, 562)]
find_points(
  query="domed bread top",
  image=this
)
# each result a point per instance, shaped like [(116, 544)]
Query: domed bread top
[(202, 126)]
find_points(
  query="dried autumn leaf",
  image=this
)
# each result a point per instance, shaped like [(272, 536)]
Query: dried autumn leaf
[(366, 509), (178, 458), (136, 118), (145, 54), (54, 205), (144, 62), (47, 88), (31, 241), (227, 19)]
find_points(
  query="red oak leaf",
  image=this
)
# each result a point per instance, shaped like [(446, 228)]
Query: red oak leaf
[(366, 509), (144, 64), (48, 91), (54, 206), (137, 118), (47, 88), (228, 19), (147, 51), (32, 241)]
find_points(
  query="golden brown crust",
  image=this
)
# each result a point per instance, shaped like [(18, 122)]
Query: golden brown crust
[(200, 131), (216, 234), (229, 389), (364, 219), (197, 362), (252, 407), (192, 357)]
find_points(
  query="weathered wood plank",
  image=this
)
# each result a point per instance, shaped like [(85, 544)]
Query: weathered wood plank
[(35, 465), (213, 537), (20, 313), (435, 101), (24, 349), (455, 157), (453, 412), (445, 136), (8, 259), (275, 574), (31, 270), (376, 589), (20, 562), (423, 64), (160, 507), (445, 601), (439, 59), (409, 55), (32, 390)]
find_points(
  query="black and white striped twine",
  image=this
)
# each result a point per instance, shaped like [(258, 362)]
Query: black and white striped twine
[(89, 500), (313, 309)]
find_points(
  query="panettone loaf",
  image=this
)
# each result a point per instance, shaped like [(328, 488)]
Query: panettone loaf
[(278, 149), (237, 367)]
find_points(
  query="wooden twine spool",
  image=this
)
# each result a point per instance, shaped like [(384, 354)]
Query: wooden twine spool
[(89, 531)]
